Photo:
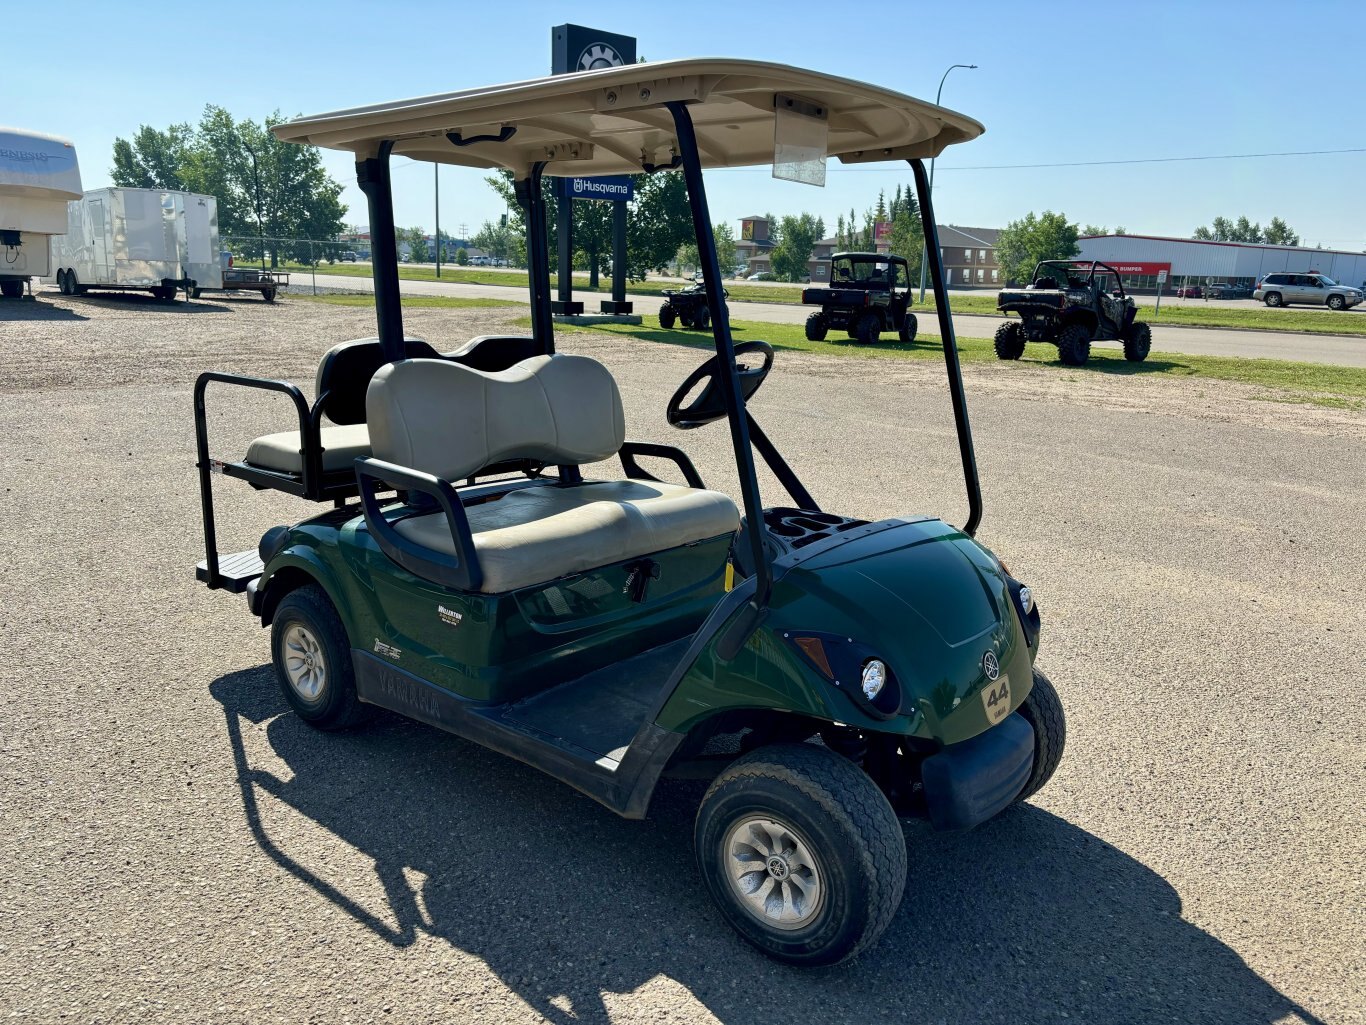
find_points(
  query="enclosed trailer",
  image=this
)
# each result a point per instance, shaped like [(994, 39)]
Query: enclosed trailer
[(138, 240), (39, 175)]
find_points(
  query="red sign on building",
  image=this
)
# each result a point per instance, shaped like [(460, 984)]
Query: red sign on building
[(1132, 268)]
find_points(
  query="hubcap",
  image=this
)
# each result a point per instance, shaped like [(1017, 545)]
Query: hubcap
[(304, 664), (773, 873)]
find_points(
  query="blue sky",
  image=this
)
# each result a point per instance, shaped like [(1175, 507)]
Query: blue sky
[(1136, 80)]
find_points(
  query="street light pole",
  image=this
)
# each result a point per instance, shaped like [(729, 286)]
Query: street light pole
[(256, 181), (436, 180), (924, 250)]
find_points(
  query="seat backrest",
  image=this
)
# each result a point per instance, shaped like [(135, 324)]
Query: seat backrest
[(451, 420), (345, 371)]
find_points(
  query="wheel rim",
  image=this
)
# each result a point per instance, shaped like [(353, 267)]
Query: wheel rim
[(305, 667), (773, 873)]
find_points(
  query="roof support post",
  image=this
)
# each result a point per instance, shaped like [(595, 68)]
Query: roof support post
[(372, 174), (728, 378), (532, 201), (935, 260)]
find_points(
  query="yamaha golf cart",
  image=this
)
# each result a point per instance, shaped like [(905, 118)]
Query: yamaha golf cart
[(497, 562), (869, 293)]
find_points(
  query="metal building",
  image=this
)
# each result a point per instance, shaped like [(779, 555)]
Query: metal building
[(1190, 261)]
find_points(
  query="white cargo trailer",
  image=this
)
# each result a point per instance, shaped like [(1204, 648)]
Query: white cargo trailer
[(39, 175), (138, 240)]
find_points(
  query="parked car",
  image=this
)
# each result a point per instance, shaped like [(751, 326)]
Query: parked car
[(1229, 292), (348, 256), (762, 275), (1189, 292), (1306, 290)]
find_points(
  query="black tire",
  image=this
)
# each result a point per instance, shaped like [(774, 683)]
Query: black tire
[(667, 316), (195, 293), (164, 294), (1138, 341), (1074, 345), (269, 294), (335, 705), (816, 327), (847, 829), (1336, 303), (1010, 340), (12, 289), (1043, 709), (1272, 298), (868, 328), (702, 319), (909, 326)]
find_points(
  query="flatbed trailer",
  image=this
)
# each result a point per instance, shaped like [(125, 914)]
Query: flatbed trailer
[(248, 279)]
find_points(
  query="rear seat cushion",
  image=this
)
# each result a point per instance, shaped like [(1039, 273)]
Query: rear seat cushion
[(537, 534), (449, 420), (342, 446)]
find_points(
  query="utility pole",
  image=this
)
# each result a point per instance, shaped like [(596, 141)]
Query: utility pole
[(256, 183), (924, 250), (436, 185)]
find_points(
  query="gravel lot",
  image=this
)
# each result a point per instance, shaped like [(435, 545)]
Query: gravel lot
[(177, 847)]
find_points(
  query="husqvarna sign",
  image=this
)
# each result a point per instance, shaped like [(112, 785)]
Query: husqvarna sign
[(613, 188)]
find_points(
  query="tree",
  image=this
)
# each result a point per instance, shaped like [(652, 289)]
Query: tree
[(908, 234), (1278, 233), (797, 237), (501, 242), (725, 249), (1024, 243), (462, 256), (264, 187), (417, 244), (153, 160)]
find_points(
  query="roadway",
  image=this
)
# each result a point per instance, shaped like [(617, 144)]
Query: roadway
[(1191, 341)]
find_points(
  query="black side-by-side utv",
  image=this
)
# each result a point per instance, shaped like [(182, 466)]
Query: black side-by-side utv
[(869, 293), (1067, 303)]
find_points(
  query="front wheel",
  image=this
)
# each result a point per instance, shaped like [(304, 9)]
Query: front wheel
[(1138, 341), (312, 659), (667, 316), (1336, 303), (1010, 340), (802, 853), (816, 327), (702, 319), (1074, 345), (909, 326), (1043, 710)]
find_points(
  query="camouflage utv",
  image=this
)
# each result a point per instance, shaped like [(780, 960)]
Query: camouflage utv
[(1068, 304)]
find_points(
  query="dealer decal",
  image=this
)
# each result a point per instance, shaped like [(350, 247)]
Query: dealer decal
[(387, 650)]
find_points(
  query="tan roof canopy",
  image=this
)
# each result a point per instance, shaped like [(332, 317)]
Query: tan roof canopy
[(612, 121)]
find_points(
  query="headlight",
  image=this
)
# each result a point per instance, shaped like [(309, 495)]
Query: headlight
[(874, 678), (1026, 599)]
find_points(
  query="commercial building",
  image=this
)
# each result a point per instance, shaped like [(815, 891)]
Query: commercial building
[(1140, 258), (755, 246), (969, 256)]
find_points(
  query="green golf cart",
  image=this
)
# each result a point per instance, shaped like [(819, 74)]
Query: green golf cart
[(493, 558)]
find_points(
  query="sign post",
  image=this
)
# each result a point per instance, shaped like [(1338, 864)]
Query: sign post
[(576, 48), (1161, 280)]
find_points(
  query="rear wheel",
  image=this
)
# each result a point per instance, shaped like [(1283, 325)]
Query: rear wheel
[(868, 327), (702, 319), (269, 293), (1138, 340), (164, 294), (12, 289), (1272, 298), (1074, 345), (1043, 709), (802, 853), (1336, 302), (312, 659), (1010, 340), (816, 327), (909, 326), (195, 293), (667, 316)]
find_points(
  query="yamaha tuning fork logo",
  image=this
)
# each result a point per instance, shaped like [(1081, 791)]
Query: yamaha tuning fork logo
[(599, 55)]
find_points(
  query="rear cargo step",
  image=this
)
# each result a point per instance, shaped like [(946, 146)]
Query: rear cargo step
[(235, 571)]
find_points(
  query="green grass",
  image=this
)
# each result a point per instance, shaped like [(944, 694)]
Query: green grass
[(1253, 318), (409, 301)]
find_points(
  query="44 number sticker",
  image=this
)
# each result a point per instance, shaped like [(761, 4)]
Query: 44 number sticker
[(996, 699)]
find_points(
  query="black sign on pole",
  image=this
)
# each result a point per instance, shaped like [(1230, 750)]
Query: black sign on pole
[(576, 48)]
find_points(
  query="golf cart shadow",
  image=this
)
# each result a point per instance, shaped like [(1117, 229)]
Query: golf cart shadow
[(567, 904), (704, 340)]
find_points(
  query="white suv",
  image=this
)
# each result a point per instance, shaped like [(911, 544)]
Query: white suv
[(1308, 289)]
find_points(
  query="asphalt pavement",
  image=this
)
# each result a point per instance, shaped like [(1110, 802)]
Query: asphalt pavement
[(176, 846), (1340, 350)]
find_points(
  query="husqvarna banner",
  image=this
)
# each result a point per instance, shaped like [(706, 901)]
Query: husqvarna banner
[(613, 188)]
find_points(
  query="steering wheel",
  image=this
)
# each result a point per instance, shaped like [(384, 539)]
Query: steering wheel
[(710, 404)]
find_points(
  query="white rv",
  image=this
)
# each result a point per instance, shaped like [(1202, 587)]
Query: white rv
[(138, 240), (38, 177)]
